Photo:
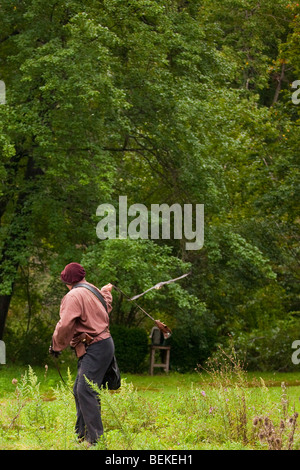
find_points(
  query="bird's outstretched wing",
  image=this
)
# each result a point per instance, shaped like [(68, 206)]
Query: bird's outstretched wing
[(159, 285)]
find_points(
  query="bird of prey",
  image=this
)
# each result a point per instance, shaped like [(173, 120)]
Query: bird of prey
[(159, 286)]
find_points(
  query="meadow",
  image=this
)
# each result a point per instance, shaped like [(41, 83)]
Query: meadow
[(220, 408)]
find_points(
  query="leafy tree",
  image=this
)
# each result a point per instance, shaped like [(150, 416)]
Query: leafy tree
[(162, 101)]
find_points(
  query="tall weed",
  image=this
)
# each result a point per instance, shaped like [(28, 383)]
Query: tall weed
[(248, 417), (125, 414), (36, 422), (221, 409)]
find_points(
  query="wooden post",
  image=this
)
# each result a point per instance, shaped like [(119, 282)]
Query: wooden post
[(165, 365)]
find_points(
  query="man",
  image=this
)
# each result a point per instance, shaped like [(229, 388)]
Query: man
[(84, 324)]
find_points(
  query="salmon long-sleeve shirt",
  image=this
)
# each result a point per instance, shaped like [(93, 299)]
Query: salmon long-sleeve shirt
[(82, 312)]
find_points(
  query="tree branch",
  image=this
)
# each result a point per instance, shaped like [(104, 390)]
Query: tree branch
[(278, 88)]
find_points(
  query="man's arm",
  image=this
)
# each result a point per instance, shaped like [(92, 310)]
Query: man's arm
[(70, 310), (106, 294)]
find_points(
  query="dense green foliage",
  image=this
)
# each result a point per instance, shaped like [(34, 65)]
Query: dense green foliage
[(172, 101), (131, 346)]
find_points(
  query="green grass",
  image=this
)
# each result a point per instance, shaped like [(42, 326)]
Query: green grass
[(208, 410)]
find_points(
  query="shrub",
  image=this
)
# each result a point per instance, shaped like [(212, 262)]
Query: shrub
[(31, 348), (131, 345), (189, 348), (270, 348)]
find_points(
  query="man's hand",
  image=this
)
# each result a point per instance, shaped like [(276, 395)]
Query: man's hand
[(164, 328), (108, 287), (54, 353)]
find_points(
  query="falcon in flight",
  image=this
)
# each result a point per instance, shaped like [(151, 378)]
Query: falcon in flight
[(159, 286)]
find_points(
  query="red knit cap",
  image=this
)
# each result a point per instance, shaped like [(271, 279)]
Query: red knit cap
[(72, 273)]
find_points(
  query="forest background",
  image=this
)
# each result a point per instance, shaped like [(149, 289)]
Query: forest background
[(173, 101)]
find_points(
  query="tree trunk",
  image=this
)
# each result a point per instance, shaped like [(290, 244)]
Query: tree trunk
[(278, 88), (4, 306), (15, 244)]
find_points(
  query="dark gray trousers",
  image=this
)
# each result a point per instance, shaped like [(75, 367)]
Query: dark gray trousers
[(93, 365)]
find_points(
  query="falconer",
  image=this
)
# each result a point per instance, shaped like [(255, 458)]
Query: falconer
[(84, 325)]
